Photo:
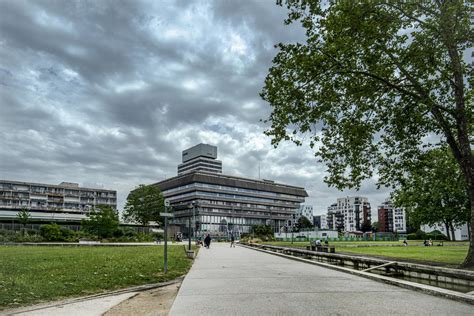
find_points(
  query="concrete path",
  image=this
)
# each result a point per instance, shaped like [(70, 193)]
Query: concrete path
[(241, 281), (91, 307)]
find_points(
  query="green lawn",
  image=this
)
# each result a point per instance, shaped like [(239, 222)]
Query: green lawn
[(452, 253), (33, 274)]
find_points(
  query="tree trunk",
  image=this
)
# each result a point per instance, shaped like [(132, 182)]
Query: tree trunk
[(469, 261), (452, 231), (446, 226)]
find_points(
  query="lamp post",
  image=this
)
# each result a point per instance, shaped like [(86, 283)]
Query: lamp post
[(166, 215)]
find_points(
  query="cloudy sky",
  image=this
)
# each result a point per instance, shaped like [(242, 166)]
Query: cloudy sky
[(108, 93)]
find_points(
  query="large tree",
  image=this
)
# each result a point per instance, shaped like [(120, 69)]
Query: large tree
[(144, 205), (376, 83), (435, 192)]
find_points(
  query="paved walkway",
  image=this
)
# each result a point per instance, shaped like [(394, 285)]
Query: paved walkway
[(91, 307), (240, 281)]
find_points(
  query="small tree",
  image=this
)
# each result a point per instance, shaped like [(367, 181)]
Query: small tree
[(144, 204), (375, 227), (103, 221), (366, 226), (24, 218), (304, 222), (262, 231)]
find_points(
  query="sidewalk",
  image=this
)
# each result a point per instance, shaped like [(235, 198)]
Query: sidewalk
[(240, 281)]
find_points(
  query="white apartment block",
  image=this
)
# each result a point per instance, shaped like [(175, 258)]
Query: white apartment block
[(306, 211), (349, 214), (324, 222)]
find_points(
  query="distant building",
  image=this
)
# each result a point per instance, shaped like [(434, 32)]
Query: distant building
[(349, 214), (201, 157), (335, 218), (391, 219), (303, 210), (51, 203), (460, 233), (320, 221), (221, 204)]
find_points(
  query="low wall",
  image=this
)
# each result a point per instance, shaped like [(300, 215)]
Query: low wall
[(463, 278)]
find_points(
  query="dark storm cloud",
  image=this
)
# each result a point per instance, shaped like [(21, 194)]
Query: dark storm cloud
[(109, 92)]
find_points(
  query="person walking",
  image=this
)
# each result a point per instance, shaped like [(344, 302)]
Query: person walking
[(232, 241), (207, 241)]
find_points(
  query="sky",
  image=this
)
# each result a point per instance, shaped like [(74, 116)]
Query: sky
[(108, 93)]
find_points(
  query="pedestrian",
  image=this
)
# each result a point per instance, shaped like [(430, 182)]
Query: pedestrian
[(232, 241), (207, 241)]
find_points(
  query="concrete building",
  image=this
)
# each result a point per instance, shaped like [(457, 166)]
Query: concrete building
[(391, 219), (201, 157), (349, 214), (220, 204), (66, 202)]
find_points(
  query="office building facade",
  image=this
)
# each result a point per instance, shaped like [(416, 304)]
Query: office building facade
[(222, 204), (51, 203)]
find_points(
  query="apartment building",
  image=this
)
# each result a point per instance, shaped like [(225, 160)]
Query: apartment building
[(303, 210), (391, 219), (221, 204), (349, 214), (48, 202)]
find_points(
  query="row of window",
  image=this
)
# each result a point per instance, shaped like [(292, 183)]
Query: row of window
[(227, 188)]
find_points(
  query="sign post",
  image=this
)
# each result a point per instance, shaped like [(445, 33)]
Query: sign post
[(166, 215)]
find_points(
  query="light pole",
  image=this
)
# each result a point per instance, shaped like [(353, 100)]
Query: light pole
[(194, 218), (166, 215)]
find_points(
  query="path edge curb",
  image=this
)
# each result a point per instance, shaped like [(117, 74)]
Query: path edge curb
[(460, 297)]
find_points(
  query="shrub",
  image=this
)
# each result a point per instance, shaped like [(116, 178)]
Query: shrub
[(52, 232)]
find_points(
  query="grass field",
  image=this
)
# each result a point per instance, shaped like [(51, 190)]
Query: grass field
[(452, 253), (33, 274)]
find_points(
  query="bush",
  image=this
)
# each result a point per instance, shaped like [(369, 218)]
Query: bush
[(421, 235), (17, 236), (52, 232)]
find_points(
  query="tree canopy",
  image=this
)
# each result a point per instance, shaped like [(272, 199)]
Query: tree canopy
[(304, 222), (24, 216), (375, 85), (144, 205), (435, 192), (103, 221)]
